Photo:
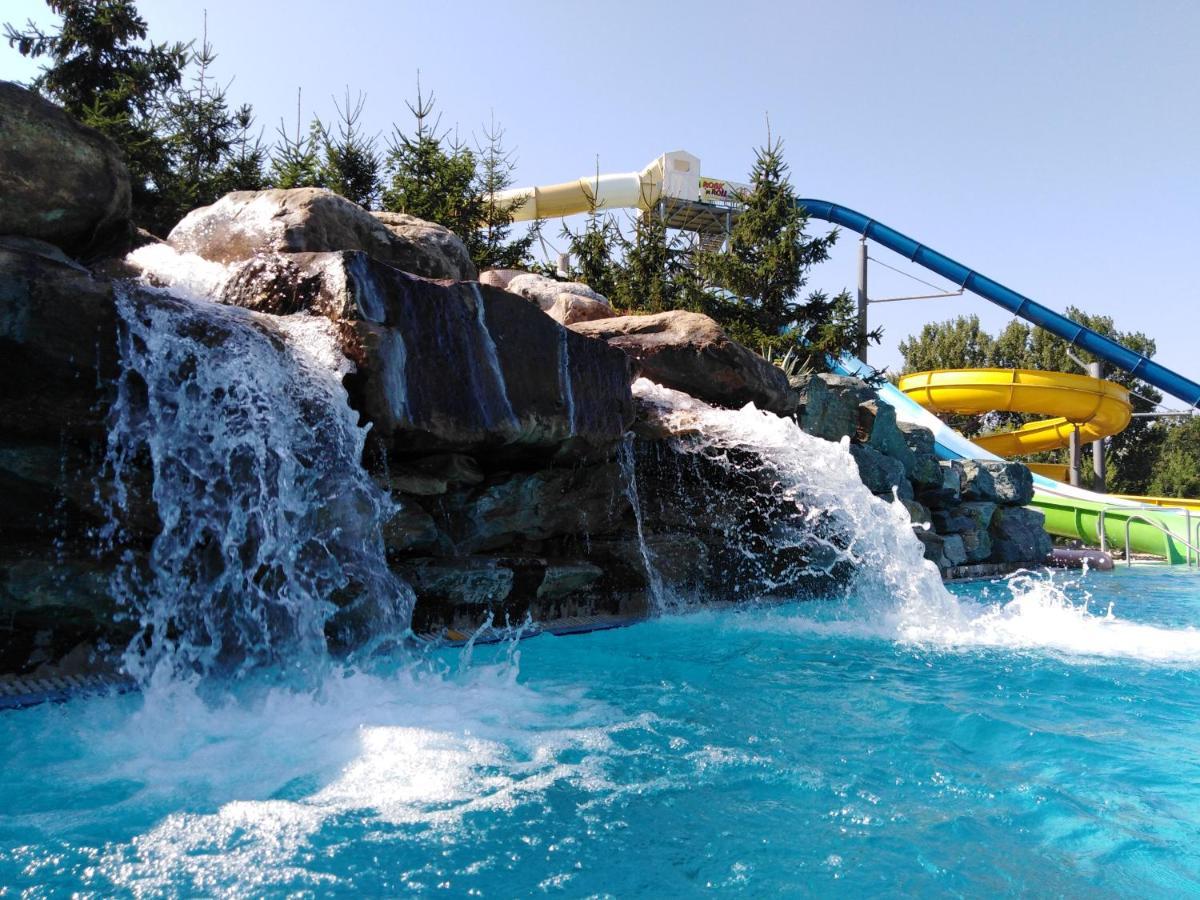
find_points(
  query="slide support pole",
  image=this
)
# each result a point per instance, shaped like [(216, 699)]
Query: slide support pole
[(1096, 370), (863, 327), (1076, 450)]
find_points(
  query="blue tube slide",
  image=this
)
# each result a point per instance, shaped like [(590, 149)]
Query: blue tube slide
[(1072, 332)]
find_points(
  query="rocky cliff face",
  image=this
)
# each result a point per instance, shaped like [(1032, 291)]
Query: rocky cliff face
[(509, 447)]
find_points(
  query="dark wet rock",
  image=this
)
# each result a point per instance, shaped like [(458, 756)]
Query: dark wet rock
[(563, 579), (410, 528), (1019, 535), (948, 490), (452, 468), (450, 366), (1009, 483), (459, 581), (978, 544), (918, 513), (881, 473), (972, 516), (245, 223), (58, 353), (954, 549), (60, 181), (934, 546), (878, 420), (830, 403), (689, 352), (538, 505), (925, 472)]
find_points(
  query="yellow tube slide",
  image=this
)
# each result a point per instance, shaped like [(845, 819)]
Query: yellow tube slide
[(1096, 407)]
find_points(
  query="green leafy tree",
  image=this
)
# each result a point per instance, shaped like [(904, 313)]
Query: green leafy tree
[(350, 165), (1177, 469), (431, 177), (961, 343), (101, 69)]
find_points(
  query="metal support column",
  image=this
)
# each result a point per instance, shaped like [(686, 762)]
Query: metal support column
[(1096, 370), (862, 299), (1076, 457)]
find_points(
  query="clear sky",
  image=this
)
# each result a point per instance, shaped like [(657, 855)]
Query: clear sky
[(1052, 146)]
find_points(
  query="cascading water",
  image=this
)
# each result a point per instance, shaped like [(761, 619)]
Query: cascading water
[(270, 549), (893, 592)]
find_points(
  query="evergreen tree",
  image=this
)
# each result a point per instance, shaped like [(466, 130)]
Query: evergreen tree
[(489, 243), (245, 165), (296, 161), (201, 131), (101, 71), (350, 166), (429, 177), (760, 274)]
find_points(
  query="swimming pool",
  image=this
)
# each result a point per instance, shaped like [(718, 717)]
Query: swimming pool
[(1049, 746)]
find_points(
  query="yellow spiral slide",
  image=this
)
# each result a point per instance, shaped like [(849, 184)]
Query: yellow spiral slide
[(1095, 407)]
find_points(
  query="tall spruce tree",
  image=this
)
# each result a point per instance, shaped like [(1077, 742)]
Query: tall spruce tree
[(766, 263), (490, 243), (296, 159), (350, 165), (101, 69), (429, 176)]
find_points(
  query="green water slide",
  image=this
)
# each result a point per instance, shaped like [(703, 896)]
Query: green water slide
[(1152, 531)]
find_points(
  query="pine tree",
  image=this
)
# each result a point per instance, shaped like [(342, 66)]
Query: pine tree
[(765, 266), (295, 162), (201, 130), (489, 243), (245, 165), (430, 178), (101, 71), (350, 166)]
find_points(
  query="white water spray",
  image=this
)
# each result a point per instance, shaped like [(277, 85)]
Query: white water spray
[(895, 593), (270, 542)]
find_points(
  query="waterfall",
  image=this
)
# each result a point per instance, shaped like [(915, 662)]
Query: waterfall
[(654, 581), (269, 548)]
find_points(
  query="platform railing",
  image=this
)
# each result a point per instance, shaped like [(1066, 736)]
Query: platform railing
[(1192, 550)]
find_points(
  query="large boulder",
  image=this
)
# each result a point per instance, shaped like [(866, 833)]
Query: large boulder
[(58, 344), (450, 366), (1018, 534), (59, 181), (443, 249), (566, 302), (829, 405), (307, 220), (1009, 483), (689, 352)]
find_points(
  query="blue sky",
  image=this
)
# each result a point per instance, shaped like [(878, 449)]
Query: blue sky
[(1052, 146)]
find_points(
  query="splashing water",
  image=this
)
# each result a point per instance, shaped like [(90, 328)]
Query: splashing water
[(270, 548), (894, 592)]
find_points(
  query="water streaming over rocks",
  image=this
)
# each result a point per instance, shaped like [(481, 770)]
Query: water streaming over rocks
[(270, 549)]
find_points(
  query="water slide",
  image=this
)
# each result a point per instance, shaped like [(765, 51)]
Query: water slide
[(1071, 512)]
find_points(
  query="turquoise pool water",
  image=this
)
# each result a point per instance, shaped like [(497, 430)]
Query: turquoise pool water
[(1053, 749)]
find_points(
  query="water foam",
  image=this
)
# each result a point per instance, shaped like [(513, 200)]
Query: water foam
[(271, 531), (895, 594)]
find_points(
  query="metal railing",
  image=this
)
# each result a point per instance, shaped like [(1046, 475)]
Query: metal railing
[(1192, 551)]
